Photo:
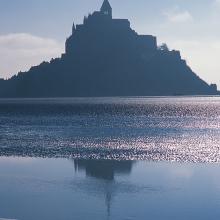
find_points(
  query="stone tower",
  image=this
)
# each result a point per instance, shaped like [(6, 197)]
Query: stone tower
[(106, 8)]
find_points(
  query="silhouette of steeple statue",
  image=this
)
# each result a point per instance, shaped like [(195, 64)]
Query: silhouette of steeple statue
[(106, 8)]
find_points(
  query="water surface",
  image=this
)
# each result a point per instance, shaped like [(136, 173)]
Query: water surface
[(33, 189), (185, 129), (110, 158)]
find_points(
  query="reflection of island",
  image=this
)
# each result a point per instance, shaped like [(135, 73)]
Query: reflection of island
[(104, 171)]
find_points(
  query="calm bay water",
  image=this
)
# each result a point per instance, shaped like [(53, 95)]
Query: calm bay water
[(110, 158), (33, 189), (158, 129)]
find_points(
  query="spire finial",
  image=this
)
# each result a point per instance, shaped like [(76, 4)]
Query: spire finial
[(106, 8), (73, 28)]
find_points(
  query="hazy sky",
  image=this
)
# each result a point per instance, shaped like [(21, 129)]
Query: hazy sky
[(35, 30)]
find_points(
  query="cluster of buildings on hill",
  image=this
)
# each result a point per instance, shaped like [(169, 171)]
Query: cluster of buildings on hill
[(101, 22)]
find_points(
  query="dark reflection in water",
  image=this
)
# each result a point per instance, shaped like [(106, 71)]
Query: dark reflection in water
[(104, 170), (55, 189)]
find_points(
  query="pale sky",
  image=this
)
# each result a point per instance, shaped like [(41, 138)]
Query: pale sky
[(35, 30)]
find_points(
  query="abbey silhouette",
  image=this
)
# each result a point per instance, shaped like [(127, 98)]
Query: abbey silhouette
[(105, 57)]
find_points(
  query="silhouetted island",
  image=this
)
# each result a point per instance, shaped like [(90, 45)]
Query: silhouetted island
[(105, 57)]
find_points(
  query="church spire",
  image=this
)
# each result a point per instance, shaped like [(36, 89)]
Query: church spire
[(106, 8), (73, 28)]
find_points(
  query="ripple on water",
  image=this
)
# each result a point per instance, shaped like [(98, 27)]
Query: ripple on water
[(158, 129)]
